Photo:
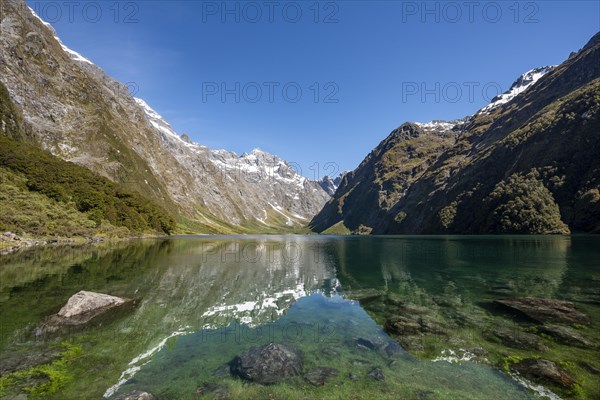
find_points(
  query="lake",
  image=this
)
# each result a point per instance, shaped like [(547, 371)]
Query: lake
[(418, 309)]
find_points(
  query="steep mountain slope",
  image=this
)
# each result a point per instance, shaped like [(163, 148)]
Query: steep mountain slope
[(527, 163), (365, 195), (71, 108), (43, 195)]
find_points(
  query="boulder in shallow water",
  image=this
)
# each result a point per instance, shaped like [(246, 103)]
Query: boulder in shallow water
[(543, 371), (329, 352), (268, 364), (80, 309), (365, 343), (88, 303), (402, 326), (546, 310)]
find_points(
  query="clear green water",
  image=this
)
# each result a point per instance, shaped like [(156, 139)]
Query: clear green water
[(202, 300)]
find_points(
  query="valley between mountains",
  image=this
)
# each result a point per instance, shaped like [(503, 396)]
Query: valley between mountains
[(81, 158)]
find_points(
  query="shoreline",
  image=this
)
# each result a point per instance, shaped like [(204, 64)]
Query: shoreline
[(11, 243)]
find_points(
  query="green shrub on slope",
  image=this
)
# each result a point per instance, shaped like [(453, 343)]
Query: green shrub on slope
[(522, 204)]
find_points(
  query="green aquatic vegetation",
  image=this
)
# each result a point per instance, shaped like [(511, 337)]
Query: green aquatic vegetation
[(510, 360), (42, 380), (170, 275)]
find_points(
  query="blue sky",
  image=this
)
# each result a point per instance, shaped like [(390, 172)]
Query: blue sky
[(363, 68)]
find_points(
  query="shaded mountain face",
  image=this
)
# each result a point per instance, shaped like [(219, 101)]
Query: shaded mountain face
[(72, 109), (527, 163), (365, 195)]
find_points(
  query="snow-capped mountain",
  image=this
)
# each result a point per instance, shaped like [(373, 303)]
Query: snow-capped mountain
[(72, 109), (330, 184), (523, 82), (267, 186)]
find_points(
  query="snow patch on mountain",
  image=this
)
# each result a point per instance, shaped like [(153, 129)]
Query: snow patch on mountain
[(525, 81), (162, 125), (255, 166), (437, 125), (258, 166), (330, 184)]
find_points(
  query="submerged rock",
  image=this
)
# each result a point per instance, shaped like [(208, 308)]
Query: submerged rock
[(222, 372), (412, 343), (546, 310), (592, 369), (366, 344), (138, 395), (318, 376), (393, 349), (519, 339), (330, 352), (268, 364), (565, 334), (377, 374), (543, 371), (217, 390), (402, 326), (423, 394), (21, 361), (413, 325)]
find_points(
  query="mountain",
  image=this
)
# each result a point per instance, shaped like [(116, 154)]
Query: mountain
[(73, 110), (365, 194), (528, 162), (254, 188), (330, 184)]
